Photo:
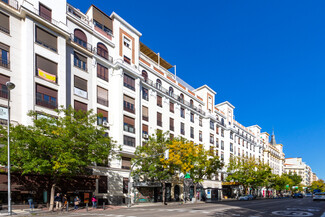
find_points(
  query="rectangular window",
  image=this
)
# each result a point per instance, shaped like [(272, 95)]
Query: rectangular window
[(192, 132), (211, 150), (102, 116), (4, 23), (127, 42), (80, 87), (46, 39), (80, 106), (4, 56), (129, 124), (222, 145), (182, 128), (217, 142), (102, 96), (192, 117), (159, 119), (159, 101), (222, 132), (200, 136), (102, 184), (145, 114), (129, 82), (125, 185), (182, 112), (211, 125), (126, 163), (171, 124), (211, 139), (145, 94), (145, 129), (217, 130), (222, 157), (127, 60), (129, 141), (171, 107), (102, 72), (80, 61), (46, 97), (200, 122), (3, 88), (231, 147), (46, 69), (129, 104), (45, 12)]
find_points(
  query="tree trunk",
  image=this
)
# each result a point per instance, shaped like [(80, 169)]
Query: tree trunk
[(195, 192), (164, 192), (52, 197)]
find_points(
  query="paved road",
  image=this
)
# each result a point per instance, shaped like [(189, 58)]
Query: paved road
[(255, 208)]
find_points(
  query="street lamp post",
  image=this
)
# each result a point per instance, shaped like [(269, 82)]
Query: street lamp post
[(10, 86)]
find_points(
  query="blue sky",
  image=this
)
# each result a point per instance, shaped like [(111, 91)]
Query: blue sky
[(264, 57)]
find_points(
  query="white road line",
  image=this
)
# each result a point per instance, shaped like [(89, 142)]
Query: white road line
[(323, 215)]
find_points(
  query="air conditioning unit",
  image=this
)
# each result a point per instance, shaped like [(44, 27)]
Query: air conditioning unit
[(105, 124), (145, 136)]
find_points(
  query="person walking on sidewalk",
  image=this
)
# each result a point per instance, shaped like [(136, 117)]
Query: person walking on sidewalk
[(94, 201), (65, 201), (30, 202), (58, 201), (76, 202)]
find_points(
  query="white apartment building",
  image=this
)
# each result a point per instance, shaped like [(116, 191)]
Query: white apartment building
[(58, 56), (296, 165)]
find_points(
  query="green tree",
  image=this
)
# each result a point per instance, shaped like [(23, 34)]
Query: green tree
[(282, 182), (150, 161), (60, 147), (317, 185), (248, 172)]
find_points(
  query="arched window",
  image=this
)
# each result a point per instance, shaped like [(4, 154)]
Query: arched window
[(102, 50), (145, 75), (171, 91), (80, 38), (181, 98), (191, 103), (158, 84)]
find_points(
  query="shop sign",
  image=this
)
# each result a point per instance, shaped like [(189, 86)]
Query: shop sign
[(147, 184), (46, 76), (230, 183), (3, 113)]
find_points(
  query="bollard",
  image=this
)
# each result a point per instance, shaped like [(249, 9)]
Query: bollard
[(104, 206), (67, 207), (87, 207)]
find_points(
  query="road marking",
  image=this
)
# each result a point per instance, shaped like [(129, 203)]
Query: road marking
[(292, 213)]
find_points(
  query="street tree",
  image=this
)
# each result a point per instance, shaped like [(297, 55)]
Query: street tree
[(318, 185), (60, 147)]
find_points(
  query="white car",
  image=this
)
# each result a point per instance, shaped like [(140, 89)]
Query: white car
[(319, 196)]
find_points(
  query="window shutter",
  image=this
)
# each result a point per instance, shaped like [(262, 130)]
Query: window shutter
[(126, 162), (103, 112), (159, 100), (4, 22), (80, 106), (102, 18), (80, 34), (171, 122), (128, 99), (145, 128), (80, 83), (47, 91), (4, 79), (46, 38), (145, 111), (80, 57), (45, 12), (128, 120), (46, 65), (159, 115), (102, 93)]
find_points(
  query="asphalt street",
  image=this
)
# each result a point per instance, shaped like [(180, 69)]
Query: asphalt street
[(255, 208)]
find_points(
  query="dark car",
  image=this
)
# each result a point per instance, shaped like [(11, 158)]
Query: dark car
[(297, 195)]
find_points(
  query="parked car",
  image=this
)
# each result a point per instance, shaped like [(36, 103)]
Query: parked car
[(308, 195), (246, 197), (319, 196), (297, 195)]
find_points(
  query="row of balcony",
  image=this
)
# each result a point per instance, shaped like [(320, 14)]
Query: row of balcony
[(172, 95)]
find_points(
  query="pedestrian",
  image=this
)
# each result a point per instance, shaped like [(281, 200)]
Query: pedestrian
[(30, 202), (57, 200), (76, 202), (94, 201), (65, 201)]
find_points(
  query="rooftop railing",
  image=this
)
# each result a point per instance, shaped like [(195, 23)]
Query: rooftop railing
[(75, 13)]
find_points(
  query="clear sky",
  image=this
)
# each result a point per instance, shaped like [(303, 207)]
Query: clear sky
[(264, 57)]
